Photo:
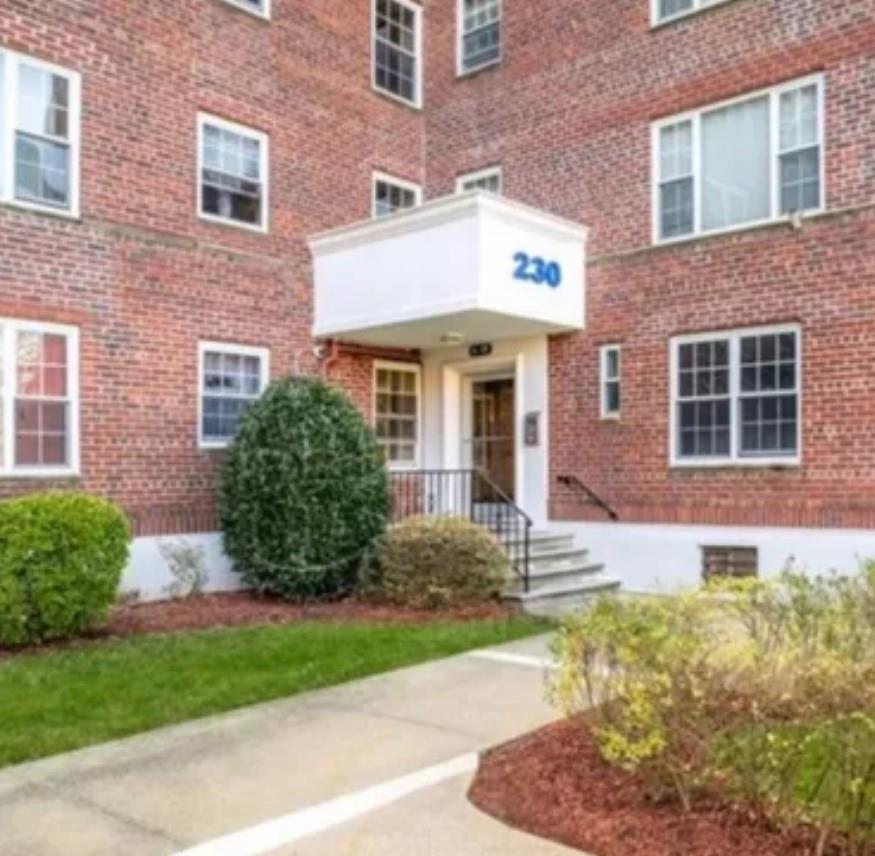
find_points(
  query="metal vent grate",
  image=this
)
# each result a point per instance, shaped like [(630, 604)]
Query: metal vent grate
[(729, 562)]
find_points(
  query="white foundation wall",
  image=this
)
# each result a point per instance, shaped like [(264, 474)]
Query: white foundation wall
[(148, 573), (668, 558)]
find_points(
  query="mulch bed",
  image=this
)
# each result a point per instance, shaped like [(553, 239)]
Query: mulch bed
[(554, 783), (235, 609)]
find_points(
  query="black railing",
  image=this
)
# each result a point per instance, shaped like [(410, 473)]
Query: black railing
[(592, 497), (469, 494)]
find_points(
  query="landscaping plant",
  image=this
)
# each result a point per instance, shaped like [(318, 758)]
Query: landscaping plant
[(440, 562), (304, 496), (761, 690), (61, 560)]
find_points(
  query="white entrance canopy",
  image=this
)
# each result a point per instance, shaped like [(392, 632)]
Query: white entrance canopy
[(460, 270)]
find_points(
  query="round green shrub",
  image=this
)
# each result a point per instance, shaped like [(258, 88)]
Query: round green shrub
[(304, 494), (61, 560), (439, 562)]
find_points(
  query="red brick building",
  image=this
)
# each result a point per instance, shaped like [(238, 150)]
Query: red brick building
[(163, 168)]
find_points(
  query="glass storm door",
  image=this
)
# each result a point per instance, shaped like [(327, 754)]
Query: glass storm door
[(492, 431)]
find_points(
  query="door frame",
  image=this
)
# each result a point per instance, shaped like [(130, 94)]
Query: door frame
[(467, 433)]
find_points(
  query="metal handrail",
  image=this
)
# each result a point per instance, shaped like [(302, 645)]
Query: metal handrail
[(470, 494), (594, 498)]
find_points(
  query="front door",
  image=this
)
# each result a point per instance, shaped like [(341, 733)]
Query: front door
[(493, 439)]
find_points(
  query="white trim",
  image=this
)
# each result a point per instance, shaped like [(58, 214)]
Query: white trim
[(263, 13), (203, 347), (413, 368), (695, 118), (263, 140), (657, 20), (604, 350), (419, 24), (386, 178), (461, 71), (8, 128), (734, 459), (480, 175), (9, 330)]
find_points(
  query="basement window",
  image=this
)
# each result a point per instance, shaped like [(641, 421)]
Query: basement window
[(397, 48), (729, 562)]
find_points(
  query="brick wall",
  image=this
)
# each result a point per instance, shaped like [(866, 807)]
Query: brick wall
[(568, 116), (140, 274)]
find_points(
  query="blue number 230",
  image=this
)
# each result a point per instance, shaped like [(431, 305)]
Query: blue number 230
[(535, 269)]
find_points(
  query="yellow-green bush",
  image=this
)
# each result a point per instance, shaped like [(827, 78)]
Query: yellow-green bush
[(61, 560), (439, 562), (763, 689)]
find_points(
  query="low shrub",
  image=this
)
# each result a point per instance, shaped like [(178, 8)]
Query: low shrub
[(304, 496), (61, 560), (439, 562), (764, 690)]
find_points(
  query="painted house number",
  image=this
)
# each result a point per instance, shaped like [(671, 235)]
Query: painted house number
[(535, 269)]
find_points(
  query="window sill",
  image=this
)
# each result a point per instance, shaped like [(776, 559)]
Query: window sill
[(243, 227), (397, 99), (213, 445), (462, 74), (41, 473), (610, 417), (36, 208), (659, 23), (737, 464)]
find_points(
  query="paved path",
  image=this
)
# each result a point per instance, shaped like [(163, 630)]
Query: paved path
[(370, 768)]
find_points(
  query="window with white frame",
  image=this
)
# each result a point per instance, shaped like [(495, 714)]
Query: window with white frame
[(397, 48), (39, 383), (609, 360), (479, 34), (749, 161), (232, 377), (393, 194), (39, 134), (668, 10), (233, 175), (484, 179), (257, 7), (736, 396), (396, 412)]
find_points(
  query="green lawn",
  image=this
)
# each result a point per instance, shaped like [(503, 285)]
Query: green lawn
[(64, 700)]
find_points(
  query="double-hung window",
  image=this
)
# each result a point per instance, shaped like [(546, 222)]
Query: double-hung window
[(479, 34), (668, 10), (232, 377), (392, 194), (397, 49), (396, 413), (39, 134), (736, 397), (233, 173), (484, 179), (609, 372), (753, 160), (39, 390)]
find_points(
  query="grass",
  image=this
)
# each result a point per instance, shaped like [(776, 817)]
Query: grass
[(63, 700)]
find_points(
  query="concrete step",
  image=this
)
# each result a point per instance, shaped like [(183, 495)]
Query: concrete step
[(562, 557), (542, 540), (564, 599), (552, 577)]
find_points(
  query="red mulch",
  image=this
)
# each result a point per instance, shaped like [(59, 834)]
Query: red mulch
[(244, 608), (554, 783)]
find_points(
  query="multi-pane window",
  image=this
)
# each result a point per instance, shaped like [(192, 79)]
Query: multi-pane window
[(397, 49), (666, 10), (257, 7), (392, 194), (746, 162), (39, 397), (396, 412), (480, 33), (736, 396), (233, 173), (231, 378), (39, 134), (485, 179), (609, 371)]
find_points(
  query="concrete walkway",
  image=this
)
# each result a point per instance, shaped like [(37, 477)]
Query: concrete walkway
[(276, 777)]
